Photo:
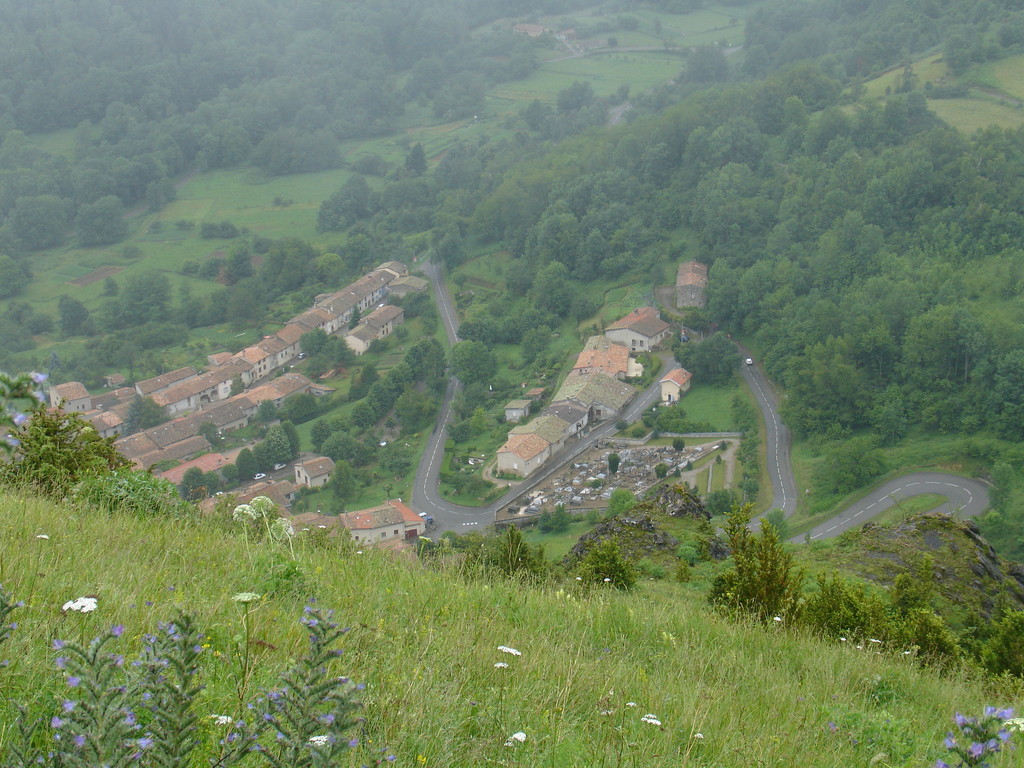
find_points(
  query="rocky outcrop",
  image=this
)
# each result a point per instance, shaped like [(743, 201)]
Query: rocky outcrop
[(636, 533), (968, 572), (678, 501)]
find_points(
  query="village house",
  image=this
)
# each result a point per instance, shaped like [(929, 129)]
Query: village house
[(521, 455), (106, 423), (148, 387), (208, 462), (604, 396), (314, 473), (572, 412), (602, 354), (530, 30), (691, 284), (316, 318), (391, 520), (385, 319), (517, 410), (674, 385), (376, 325), (114, 381), (226, 416), (403, 286), (547, 425), (641, 329), (360, 338), (72, 397)]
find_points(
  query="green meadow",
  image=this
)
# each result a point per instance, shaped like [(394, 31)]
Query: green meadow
[(994, 97), (592, 663)]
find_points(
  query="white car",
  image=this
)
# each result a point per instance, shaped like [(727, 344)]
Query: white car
[(749, 361), (259, 476)]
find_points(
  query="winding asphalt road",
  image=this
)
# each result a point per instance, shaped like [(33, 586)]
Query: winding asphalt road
[(965, 496)]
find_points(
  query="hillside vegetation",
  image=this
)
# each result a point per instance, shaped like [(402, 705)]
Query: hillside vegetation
[(425, 642)]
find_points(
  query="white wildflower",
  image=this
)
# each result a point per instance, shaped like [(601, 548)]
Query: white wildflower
[(516, 738), (651, 719), (872, 640), (607, 712), (777, 619), (42, 536), (606, 580), (359, 551), (244, 513), (501, 665), (507, 649), (221, 720), (630, 703), (281, 529), (698, 735), (81, 605), (319, 741), (246, 597), (263, 506), (843, 639), (1014, 724)]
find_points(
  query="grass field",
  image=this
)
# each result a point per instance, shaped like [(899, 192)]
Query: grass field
[(662, 648), (995, 92), (712, 404)]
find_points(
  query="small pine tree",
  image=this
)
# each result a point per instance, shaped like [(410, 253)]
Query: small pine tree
[(764, 581)]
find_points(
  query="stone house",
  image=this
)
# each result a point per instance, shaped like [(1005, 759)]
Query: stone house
[(517, 410), (691, 284)]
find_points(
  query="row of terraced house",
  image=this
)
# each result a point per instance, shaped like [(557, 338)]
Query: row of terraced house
[(195, 398)]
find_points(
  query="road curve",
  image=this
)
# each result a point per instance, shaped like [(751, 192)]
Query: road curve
[(965, 497)]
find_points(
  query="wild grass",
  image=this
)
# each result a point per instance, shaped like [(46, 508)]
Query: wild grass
[(557, 545), (425, 642)]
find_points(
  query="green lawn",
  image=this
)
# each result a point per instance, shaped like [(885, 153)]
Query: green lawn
[(713, 404)]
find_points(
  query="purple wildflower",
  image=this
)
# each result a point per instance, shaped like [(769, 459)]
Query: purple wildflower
[(117, 630), (79, 741), (73, 681), (56, 722)]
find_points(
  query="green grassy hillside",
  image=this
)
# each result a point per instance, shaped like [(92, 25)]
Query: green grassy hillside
[(425, 642)]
